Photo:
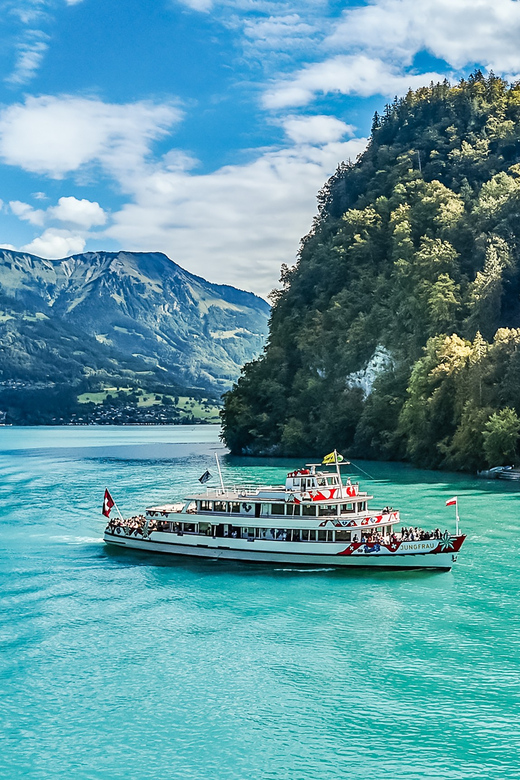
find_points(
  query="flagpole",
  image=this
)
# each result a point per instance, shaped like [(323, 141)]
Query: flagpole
[(220, 473), (337, 469), (116, 506), (457, 517)]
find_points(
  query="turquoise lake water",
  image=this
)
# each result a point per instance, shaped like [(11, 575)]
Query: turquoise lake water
[(118, 664)]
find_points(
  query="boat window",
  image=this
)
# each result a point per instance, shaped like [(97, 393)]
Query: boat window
[(322, 481), (205, 528), (249, 532), (330, 536), (332, 480), (293, 509), (309, 510), (220, 506), (281, 534), (296, 482), (343, 536), (327, 510), (234, 507), (305, 535), (322, 536), (345, 508), (296, 535), (277, 509), (189, 528), (312, 536), (206, 506), (362, 507)]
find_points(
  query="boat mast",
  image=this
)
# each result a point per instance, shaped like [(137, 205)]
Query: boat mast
[(339, 473), (220, 473)]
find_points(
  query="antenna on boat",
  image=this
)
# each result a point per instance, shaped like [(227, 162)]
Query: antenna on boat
[(220, 473), (337, 469)]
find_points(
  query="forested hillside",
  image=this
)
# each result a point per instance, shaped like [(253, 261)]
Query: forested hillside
[(397, 332)]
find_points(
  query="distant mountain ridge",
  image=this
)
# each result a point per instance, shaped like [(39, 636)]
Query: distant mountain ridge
[(123, 313)]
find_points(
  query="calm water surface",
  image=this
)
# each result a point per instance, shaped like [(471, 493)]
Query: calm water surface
[(116, 664)]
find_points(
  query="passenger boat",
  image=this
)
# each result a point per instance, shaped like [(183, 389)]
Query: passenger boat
[(315, 519)]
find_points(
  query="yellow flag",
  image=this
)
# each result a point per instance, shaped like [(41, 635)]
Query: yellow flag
[(332, 457)]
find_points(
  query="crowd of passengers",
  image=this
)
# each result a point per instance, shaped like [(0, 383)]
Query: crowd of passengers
[(406, 535), (418, 535), (136, 523)]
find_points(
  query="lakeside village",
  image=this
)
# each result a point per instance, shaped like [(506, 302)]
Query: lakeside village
[(23, 403)]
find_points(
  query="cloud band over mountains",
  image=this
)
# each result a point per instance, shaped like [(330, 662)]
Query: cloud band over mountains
[(97, 172)]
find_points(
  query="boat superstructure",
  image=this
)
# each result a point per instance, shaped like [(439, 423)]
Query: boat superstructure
[(316, 518)]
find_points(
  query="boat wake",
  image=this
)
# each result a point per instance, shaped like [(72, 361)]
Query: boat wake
[(78, 539)]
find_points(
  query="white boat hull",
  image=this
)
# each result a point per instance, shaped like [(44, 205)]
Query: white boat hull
[(409, 555)]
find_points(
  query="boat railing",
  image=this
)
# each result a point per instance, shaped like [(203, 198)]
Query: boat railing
[(253, 489), (245, 489)]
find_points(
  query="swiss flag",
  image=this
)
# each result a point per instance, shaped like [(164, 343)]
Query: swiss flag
[(108, 503)]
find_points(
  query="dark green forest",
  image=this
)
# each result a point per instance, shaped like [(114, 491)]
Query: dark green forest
[(413, 259)]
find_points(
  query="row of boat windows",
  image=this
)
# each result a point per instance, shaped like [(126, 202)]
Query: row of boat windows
[(272, 534), (291, 510), (312, 482)]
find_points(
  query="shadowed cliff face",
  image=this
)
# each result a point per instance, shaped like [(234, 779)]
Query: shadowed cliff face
[(128, 306)]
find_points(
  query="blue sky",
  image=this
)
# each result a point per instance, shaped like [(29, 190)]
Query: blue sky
[(204, 128)]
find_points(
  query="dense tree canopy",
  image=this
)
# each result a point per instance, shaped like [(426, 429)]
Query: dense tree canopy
[(414, 255)]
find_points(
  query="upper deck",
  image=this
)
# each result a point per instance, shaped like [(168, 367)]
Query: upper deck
[(301, 486), (309, 497)]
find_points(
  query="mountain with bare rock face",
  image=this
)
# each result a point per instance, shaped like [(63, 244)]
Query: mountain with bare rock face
[(125, 318)]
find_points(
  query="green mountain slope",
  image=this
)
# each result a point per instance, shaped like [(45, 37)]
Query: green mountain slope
[(395, 335)]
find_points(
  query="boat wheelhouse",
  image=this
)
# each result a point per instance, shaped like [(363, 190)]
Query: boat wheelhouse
[(315, 519)]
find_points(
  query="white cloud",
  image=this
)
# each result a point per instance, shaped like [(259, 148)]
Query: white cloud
[(238, 224), (198, 5), (73, 2), (83, 213), (318, 129), (26, 212), (54, 244), (58, 135), (346, 75), (281, 32), (30, 52), (461, 32)]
